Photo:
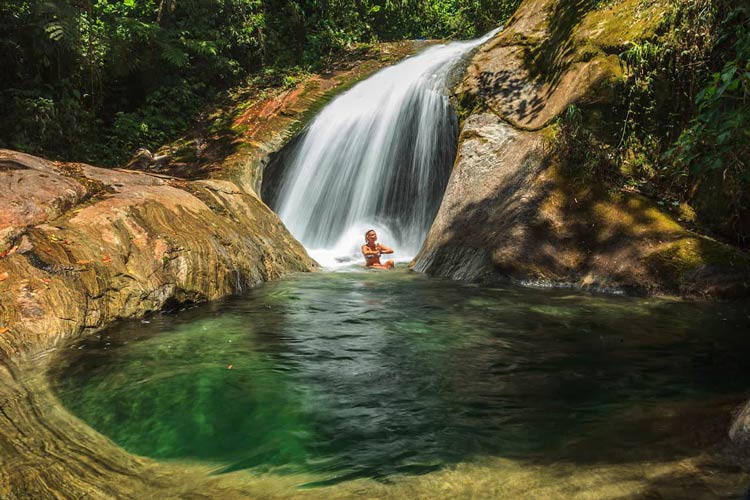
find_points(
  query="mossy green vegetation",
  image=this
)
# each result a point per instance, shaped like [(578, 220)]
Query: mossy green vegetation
[(692, 254), (666, 108), (674, 126)]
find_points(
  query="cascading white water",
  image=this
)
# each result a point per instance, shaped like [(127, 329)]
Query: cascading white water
[(378, 156)]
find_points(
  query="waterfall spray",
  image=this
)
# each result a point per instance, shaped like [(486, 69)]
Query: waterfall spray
[(378, 156)]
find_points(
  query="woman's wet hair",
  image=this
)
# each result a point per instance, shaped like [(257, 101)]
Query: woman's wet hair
[(368, 232)]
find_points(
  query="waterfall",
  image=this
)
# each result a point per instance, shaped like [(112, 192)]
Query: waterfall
[(378, 156)]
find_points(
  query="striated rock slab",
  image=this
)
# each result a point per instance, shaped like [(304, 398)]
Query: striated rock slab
[(82, 246), (494, 165)]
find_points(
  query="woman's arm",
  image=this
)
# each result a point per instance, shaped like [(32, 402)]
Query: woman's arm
[(384, 249), (368, 252)]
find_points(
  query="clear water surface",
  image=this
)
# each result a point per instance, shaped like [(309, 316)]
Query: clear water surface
[(370, 374)]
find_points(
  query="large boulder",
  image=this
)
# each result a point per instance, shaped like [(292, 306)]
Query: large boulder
[(511, 212), (81, 246)]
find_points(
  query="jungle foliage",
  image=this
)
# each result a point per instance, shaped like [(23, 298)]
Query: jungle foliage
[(684, 132), (92, 80)]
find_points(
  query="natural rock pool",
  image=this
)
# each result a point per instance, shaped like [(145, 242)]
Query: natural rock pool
[(353, 374)]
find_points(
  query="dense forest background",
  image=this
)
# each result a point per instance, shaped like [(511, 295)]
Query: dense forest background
[(93, 80)]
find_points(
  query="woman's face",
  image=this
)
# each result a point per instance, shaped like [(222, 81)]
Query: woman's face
[(371, 237)]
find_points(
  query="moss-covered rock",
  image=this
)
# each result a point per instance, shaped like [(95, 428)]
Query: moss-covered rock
[(517, 207)]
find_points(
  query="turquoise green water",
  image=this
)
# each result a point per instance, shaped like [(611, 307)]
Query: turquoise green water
[(369, 374)]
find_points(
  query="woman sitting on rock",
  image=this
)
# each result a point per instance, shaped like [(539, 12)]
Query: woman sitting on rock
[(372, 251)]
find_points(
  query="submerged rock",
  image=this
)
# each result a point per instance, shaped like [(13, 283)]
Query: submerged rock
[(511, 211)]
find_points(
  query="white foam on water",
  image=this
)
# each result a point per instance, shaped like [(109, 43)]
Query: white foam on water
[(346, 253), (378, 156)]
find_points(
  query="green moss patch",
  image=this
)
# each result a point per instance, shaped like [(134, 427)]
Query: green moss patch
[(689, 254)]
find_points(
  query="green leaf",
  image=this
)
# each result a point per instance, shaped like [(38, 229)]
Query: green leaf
[(174, 56), (55, 30), (701, 95), (729, 72), (717, 164)]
